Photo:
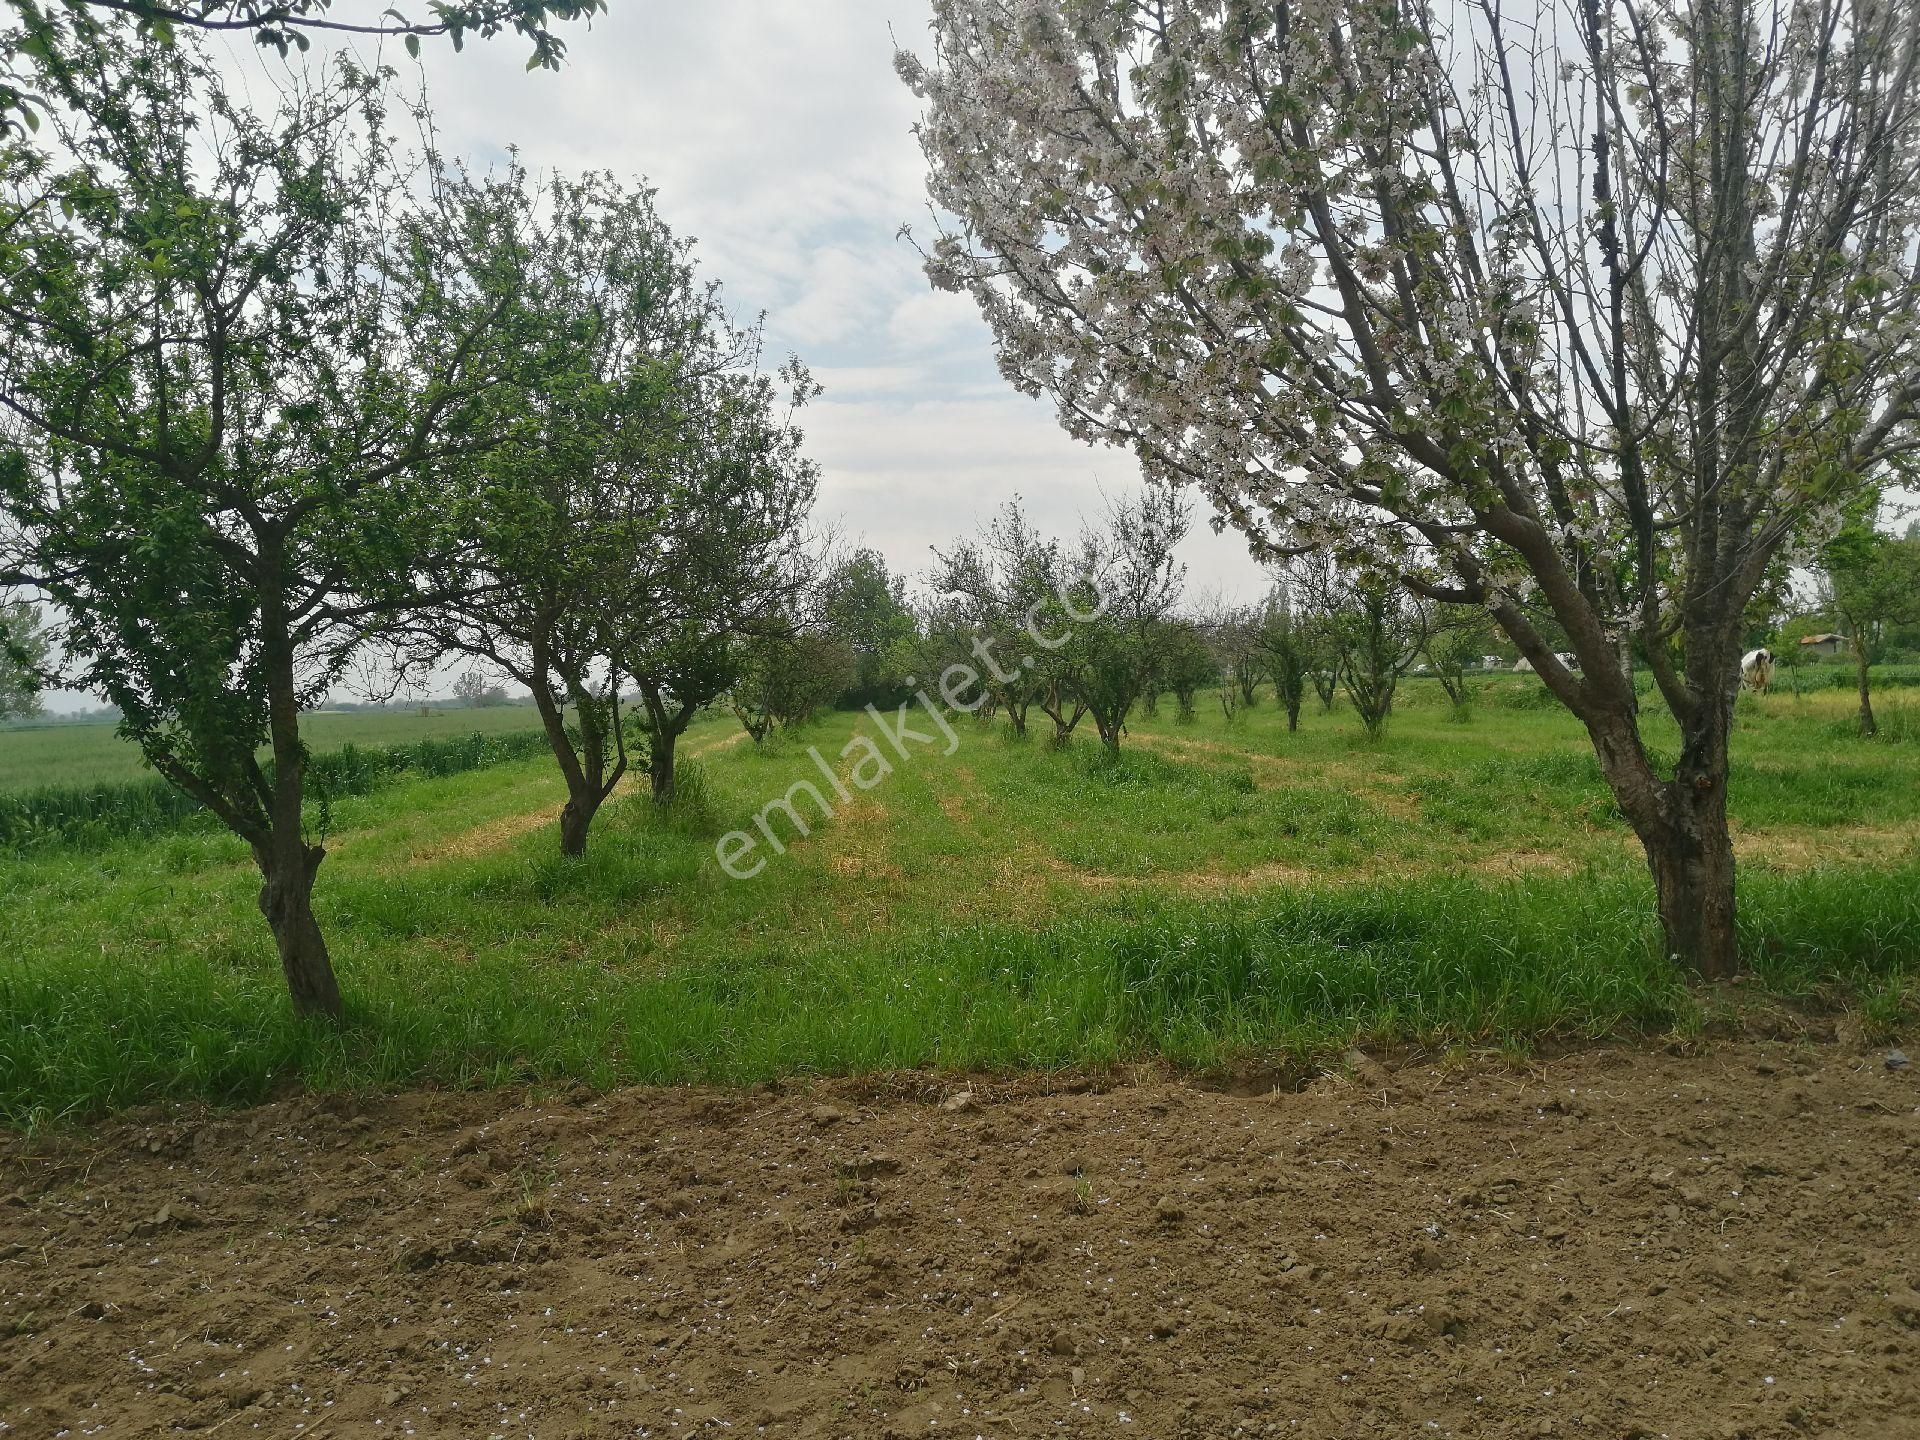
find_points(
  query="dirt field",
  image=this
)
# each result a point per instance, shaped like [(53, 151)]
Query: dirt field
[(1610, 1244)]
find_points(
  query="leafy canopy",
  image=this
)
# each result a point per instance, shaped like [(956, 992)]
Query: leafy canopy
[(54, 32)]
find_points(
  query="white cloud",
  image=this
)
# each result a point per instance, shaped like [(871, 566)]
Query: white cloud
[(841, 300), (934, 319)]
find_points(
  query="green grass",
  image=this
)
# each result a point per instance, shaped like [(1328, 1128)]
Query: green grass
[(1220, 892), (35, 756)]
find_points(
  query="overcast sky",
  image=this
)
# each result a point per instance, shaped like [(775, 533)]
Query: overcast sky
[(780, 138)]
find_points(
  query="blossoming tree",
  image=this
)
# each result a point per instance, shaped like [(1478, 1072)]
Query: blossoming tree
[(1591, 310)]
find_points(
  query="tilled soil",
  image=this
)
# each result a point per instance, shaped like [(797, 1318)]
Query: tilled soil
[(1611, 1244)]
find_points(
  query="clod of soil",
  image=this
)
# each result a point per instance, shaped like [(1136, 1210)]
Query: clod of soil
[(1609, 1244)]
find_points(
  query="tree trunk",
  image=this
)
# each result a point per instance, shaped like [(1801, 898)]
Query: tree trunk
[(286, 900), (666, 720), (1868, 727), (757, 724), (575, 815), (1692, 865), (660, 745), (1055, 709), (1682, 826), (576, 819), (287, 863), (584, 769)]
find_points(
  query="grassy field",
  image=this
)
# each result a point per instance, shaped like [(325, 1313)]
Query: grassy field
[(32, 756), (1224, 890)]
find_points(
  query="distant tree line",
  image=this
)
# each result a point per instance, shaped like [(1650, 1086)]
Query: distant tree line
[(23, 657), (1038, 630)]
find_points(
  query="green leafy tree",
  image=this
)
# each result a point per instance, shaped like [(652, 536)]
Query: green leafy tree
[(1132, 569), (1073, 629), (742, 565), (222, 381), (1790, 653), (1311, 581), (1375, 631), (1188, 665), (1071, 653), (1870, 583), (785, 679), (54, 31), (866, 606), (1000, 584), (1458, 637), (642, 444), (1060, 692), (23, 659), (680, 676), (1283, 647), (1235, 633)]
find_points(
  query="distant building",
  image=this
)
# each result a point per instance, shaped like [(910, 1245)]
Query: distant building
[(1524, 666), (1822, 644)]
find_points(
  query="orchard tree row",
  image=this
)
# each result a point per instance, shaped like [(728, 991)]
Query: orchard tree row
[(283, 400), (1033, 629)]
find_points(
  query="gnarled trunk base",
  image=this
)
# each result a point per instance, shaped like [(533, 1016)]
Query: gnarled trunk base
[(1682, 825), (576, 819), (286, 900), (1693, 878)]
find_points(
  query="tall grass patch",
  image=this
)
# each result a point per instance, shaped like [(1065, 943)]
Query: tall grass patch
[(1440, 962)]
